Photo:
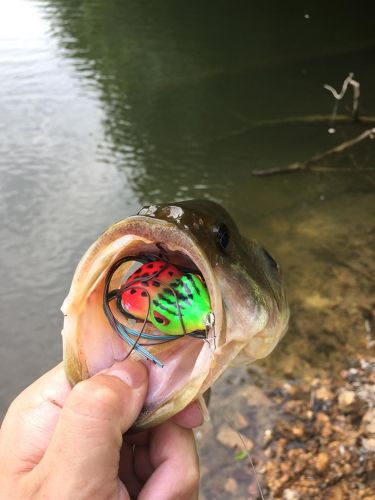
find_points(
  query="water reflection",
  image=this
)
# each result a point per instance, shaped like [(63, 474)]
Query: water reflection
[(177, 81)]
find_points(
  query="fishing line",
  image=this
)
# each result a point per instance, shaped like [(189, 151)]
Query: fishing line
[(252, 465), (131, 336)]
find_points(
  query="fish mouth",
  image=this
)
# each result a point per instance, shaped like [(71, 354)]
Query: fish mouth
[(184, 363)]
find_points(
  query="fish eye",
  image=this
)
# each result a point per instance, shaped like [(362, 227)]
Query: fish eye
[(222, 236), (271, 260)]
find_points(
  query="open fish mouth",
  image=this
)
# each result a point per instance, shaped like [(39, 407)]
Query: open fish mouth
[(174, 366), (245, 307), (147, 272)]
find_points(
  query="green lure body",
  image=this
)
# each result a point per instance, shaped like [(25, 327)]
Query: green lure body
[(175, 302)]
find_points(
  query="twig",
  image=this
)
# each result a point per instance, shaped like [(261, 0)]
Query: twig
[(338, 96), (290, 120), (330, 168), (366, 120), (306, 165)]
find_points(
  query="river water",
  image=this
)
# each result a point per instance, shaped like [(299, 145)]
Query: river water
[(107, 105)]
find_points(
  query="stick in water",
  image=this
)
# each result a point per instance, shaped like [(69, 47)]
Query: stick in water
[(306, 165)]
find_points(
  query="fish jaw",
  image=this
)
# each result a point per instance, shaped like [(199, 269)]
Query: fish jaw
[(90, 343), (246, 296)]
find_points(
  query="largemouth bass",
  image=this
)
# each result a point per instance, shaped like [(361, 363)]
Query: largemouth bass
[(247, 311)]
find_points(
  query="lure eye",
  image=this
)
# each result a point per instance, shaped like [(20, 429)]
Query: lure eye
[(271, 260), (159, 318), (222, 236)]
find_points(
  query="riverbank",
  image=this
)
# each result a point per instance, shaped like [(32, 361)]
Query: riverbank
[(324, 446), (306, 440)]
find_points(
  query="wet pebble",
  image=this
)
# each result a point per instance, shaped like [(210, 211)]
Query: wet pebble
[(321, 462), (290, 494), (231, 485), (323, 393), (324, 446), (232, 439), (369, 444), (368, 421), (346, 399)]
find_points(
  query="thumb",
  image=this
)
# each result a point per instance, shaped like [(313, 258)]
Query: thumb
[(85, 448)]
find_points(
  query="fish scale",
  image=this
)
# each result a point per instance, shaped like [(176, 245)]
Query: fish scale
[(175, 302)]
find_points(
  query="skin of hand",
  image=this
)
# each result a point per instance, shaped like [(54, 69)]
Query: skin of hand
[(58, 442)]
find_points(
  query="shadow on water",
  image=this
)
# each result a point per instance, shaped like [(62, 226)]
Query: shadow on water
[(187, 102)]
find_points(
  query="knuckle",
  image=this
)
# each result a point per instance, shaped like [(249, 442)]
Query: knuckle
[(95, 397)]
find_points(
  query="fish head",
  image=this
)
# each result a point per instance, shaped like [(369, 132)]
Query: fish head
[(244, 284)]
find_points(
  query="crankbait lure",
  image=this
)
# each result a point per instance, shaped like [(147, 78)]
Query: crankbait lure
[(173, 299), (179, 301)]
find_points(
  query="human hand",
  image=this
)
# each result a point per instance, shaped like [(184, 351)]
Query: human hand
[(62, 443)]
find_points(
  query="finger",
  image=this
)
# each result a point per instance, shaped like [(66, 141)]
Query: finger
[(88, 436), (189, 417), (142, 464), (140, 438), (174, 457), (126, 471), (29, 424)]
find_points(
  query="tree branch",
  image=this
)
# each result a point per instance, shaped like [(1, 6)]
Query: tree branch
[(306, 165)]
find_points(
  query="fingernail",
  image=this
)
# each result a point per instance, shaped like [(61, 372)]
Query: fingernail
[(133, 373)]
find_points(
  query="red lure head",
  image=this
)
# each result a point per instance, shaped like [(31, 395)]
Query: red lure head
[(144, 284)]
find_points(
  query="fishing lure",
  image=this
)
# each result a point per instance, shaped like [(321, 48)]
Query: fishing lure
[(179, 301), (173, 299)]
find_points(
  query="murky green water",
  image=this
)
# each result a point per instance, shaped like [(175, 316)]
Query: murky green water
[(108, 105)]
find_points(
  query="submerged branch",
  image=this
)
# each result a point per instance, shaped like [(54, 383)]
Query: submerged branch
[(306, 165), (366, 120), (290, 120)]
